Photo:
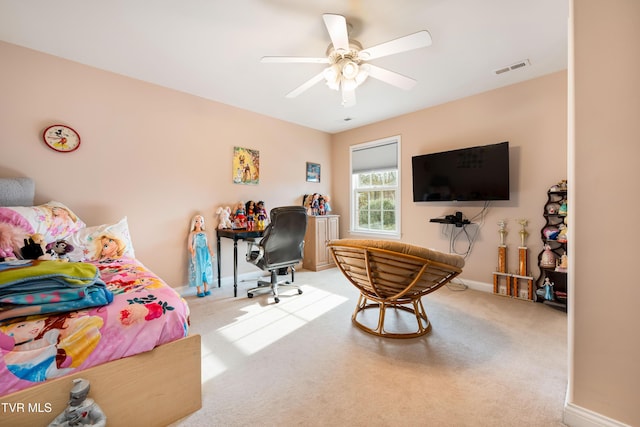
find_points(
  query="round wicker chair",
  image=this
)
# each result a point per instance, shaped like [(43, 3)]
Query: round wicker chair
[(393, 274)]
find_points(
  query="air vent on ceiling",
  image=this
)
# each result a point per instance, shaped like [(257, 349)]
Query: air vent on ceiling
[(511, 67)]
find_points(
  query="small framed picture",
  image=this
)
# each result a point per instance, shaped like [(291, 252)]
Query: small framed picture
[(313, 172)]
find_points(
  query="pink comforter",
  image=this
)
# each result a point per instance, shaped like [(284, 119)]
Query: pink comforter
[(145, 313)]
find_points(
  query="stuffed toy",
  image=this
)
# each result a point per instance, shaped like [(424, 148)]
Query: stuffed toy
[(224, 217), (10, 241), (34, 247), (59, 249)]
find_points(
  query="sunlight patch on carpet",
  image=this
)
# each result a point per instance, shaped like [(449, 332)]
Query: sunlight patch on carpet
[(263, 325), (212, 366)]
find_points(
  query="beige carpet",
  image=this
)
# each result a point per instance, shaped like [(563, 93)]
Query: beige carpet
[(488, 361)]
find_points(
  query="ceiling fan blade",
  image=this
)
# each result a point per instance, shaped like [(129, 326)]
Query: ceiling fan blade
[(348, 98), (306, 85), (337, 28), (403, 44), (290, 59), (391, 77)]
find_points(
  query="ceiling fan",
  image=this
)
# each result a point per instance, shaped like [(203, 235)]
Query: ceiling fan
[(348, 67)]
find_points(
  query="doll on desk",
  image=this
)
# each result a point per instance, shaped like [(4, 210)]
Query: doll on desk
[(316, 204)]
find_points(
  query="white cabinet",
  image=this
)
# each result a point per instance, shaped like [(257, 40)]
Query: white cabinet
[(320, 230)]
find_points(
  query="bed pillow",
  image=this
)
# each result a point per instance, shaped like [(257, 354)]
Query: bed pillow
[(53, 220), (88, 243)]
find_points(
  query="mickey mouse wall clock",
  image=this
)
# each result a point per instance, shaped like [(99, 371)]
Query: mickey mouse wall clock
[(61, 138)]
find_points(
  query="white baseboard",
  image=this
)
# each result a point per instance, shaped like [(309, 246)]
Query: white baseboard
[(186, 290), (576, 416), (475, 285)]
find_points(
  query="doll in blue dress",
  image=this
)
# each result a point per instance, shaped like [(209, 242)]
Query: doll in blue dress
[(200, 260)]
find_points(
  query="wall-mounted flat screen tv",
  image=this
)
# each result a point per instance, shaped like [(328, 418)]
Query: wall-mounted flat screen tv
[(468, 174)]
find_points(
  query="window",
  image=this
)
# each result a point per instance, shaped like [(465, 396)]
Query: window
[(375, 187)]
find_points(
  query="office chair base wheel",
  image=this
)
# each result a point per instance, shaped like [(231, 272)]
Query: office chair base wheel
[(299, 291), (276, 299), (250, 295)]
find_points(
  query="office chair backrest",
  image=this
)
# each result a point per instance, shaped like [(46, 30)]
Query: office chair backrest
[(283, 240)]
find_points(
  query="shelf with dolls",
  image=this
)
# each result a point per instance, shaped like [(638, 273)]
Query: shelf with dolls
[(322, 227), (552, 282)]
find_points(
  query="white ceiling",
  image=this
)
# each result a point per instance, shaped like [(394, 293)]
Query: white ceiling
[(212, 48)]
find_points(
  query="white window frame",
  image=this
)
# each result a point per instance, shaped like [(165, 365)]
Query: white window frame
[(397, 189)]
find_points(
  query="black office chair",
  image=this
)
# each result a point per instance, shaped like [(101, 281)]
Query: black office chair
[(281, 247)]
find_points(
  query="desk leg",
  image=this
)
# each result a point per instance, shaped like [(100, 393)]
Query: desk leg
[(235, 268), (219, 260)]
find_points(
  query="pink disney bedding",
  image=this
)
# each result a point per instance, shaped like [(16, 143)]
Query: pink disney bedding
[(145, 313)]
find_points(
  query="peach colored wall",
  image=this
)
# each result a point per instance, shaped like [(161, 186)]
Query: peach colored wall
[(604, 346), (155, 155), (530, 115)]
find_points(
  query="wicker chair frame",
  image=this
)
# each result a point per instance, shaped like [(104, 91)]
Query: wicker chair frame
[(393, 278)]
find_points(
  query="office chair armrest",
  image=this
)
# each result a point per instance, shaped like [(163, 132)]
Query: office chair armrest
[(255, 252)]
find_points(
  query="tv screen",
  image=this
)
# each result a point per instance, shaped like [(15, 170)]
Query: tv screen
[(468, 174)]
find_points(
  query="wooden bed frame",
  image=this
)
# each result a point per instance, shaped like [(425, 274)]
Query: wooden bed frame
[(130, 391), (151, 389)]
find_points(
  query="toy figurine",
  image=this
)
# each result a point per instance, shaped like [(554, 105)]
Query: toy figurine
[(548, 289), (562, 234), (59, 249), (200, 265), (563, 263), (239, 216), (306, 202), (321, 207), (82, 410), (327, 206), (261, 216), (315, 204), (547, 259), (250, 207)]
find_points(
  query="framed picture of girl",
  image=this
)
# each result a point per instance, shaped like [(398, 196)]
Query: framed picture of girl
[(313, 172)]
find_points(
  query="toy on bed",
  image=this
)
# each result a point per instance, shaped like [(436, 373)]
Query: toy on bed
[(59, 250), (9, 242)]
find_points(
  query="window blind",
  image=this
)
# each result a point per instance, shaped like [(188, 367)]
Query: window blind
[(375, 157)]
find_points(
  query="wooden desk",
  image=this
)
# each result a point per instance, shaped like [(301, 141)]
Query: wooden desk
[(235, 235)]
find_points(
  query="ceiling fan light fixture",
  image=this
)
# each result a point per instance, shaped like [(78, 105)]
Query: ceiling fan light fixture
[(349, 69), (332, 77)]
